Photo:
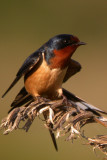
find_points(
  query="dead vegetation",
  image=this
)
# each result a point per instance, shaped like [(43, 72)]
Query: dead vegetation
[(62, 117)]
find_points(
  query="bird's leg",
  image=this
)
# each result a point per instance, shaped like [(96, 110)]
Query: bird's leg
[(65, 100), (40, 99)]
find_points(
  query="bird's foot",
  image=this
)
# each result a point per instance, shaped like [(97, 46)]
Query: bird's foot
[(40, 99), (65, 100)]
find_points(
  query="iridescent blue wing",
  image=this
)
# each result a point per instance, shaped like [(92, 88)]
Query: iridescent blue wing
[(28, 64)]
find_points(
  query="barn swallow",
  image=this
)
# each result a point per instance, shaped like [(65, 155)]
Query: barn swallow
[(46, 69)]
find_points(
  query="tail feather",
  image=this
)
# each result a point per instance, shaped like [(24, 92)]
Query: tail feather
[(52, 135), (81, 103), (53, 140), (22, 98)]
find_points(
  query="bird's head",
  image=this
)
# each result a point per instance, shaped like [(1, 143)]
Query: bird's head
[(60, 48)]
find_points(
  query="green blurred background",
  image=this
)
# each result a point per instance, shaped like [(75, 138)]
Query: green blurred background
[(24, 27)]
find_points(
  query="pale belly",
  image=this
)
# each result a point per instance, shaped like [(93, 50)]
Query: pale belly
[(45, 82)]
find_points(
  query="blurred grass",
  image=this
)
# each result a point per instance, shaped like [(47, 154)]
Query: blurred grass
[(24, 27)]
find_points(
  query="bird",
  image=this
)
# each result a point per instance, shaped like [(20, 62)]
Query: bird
[(46, 69)]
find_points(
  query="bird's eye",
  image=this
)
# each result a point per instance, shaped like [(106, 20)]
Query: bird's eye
[(65, 41)]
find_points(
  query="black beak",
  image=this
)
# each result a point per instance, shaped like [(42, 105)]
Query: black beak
[(80, 43)]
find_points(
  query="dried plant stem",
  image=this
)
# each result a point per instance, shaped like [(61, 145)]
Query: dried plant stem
[(62, 118)]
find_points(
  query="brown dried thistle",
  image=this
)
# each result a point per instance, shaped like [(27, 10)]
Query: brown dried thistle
[(64, 117)]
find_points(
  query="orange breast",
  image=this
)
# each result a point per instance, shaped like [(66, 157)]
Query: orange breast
[(45, 81)]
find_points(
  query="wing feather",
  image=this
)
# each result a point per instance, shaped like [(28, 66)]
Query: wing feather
[(73, 68), (28, 64)]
